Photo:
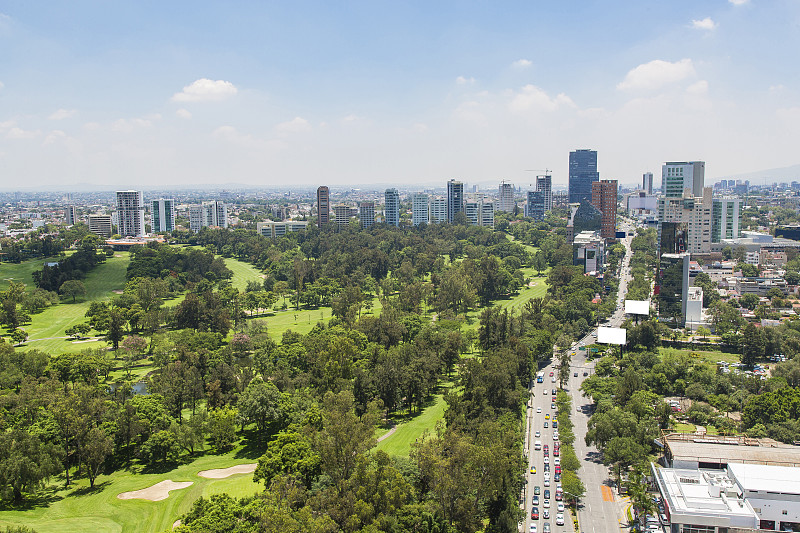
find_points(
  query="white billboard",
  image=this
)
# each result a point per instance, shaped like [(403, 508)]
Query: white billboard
[(637, 307), (606, 335)]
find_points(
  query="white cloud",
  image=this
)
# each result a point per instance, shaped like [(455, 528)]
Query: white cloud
[(205, 90), (700, 87), (54, 136), (126, 125), (521, 63), (705, 24), (61, 114), (656, 74), (19, 133), (738, 2), (183, 113), (461, 80), (532, 98), (296, 125)]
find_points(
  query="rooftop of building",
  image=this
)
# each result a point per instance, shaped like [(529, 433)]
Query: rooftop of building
[(718, 449), (767, 478), (693, 491)]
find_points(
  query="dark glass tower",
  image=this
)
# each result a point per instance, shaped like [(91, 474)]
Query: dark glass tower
[(582, 173)]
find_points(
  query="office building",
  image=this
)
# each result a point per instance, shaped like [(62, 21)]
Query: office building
[(672, 287), (438, 210), (208, 214), (544, 184), (162, 216), (420, 209), (695, 213), (100, 225), (487, 214), (725, 218), (71, 215), (582, 173), (641, 205), (366, 214), (455, 199), (392, 207), (130, 213), (534, 207), (505, 197), (323, 205), (588, 251), (604, 198), (676, 177), (647, 183), (274, 230), (341, 215)]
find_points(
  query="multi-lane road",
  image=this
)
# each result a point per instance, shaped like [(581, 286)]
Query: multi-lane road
[(600, 510)]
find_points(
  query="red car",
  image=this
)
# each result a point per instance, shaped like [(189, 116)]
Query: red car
[(535, 513), (556, 452), (551, 374), (558, 469)]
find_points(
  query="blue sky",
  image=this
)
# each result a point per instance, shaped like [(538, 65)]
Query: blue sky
[(302, 93)]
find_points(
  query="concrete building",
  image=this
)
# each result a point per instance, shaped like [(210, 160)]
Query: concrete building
[(760, 286), (672, 287), (487, 215), (323, 205), (647, 183), (420, 209), (162, 215), (274, 229), (535, 205), (71, 215), (582, 173), (688, 450), (392, 207), (455, 199), (342, 215), (130, 214), (505, 197), (472, 211), (693, 212), (588, 251), (438, 210), (676, 177), (641, 205), (604, 198), (213, 213), (100, 225), (725, 219), (366, 214), (772, 491), (694, 308), (544, 185)]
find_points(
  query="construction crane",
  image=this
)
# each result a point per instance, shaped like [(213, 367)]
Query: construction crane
[(546, 171)]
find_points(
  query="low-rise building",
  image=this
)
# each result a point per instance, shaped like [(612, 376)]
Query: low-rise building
[(279, 229), (588, 251)]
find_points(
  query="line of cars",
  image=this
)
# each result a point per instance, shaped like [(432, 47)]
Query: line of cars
[(555, 465)]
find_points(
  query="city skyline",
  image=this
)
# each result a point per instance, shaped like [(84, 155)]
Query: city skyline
[(146, 94)]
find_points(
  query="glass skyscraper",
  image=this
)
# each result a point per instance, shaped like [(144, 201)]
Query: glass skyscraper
[(582, 173)]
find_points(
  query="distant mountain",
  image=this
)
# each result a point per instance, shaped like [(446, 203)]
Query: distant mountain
[(786, 174)]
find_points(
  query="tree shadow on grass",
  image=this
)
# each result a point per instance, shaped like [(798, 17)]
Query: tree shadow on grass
[(254, 443), (98, 487), (42, 498), (160, 468)]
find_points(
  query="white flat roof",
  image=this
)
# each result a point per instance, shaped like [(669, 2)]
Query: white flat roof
[(767, 478)]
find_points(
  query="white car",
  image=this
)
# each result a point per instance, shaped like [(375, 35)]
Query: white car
[(537, 434), (553, 379), (538, 409), (560, 507), (546, 514), (546, 459), (559, 519), (555, 435), (546, 504), (532, 529), (557, 460), (547, 482)]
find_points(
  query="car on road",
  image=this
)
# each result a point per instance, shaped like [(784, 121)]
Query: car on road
[(557, 477), (560, 519), (546, 460), (557, 461), (555, 424), (559, 494), (553, 380), (537, 434), (585, 373), (533, 470), (546, 527), (546, 424), (536, 490), (535, 500), (552, 406), (546, 494), (545, 513), (546, 467), (558, 469), (552, 374), (560, 507), (555, 391), (547, 482), (547, 416), (555, 435), (535, 513), (556, 451), (538, 409), (546, 504), (532, 529)]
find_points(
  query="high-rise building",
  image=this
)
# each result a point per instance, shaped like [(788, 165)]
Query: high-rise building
[(505, 197), (681, 175), (438, 210), (162, 217), (392, 207), (487, 214), (692, 213), (208, 214), (323, 205), (582, 173), (341, 214), (725, 219), (544, 184), (130, 213), (70, 215), (647, 182), (472, 210), (420, 208), (100, 225), (455, 199), (534, 208), (366, 214), (672, 286), (604, 198)]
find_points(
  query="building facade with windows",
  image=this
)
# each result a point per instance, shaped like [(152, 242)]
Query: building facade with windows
[(678, 176), (162, 215), (535, 205), (70, 215), (725, 219), (604, 198), (455, 199), (100, 225), (213, 213), (130, 214), (438, 210), (323, 205), (647, 182), (505, 197), (582, 173), (420, 209), (544, 185), (366, 214), (392, 207), (274, 229)]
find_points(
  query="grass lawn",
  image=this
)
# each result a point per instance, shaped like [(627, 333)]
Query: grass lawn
[(400, 442), (52, 322), (242, 273), (100, 511), (708, 356), (684, 428), (536, 289), (21, 272)]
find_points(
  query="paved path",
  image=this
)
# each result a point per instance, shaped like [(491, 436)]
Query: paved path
[(388, 433)]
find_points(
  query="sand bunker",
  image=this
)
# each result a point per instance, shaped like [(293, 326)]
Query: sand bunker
[(156, 493), (219, 473)]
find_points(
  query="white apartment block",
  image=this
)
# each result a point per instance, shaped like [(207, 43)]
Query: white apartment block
[(420, 208), (695, 212), (505, 196), (438, 210), (130, 213), (676, 177), (162, 216), (208, 214), (273, 229)]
